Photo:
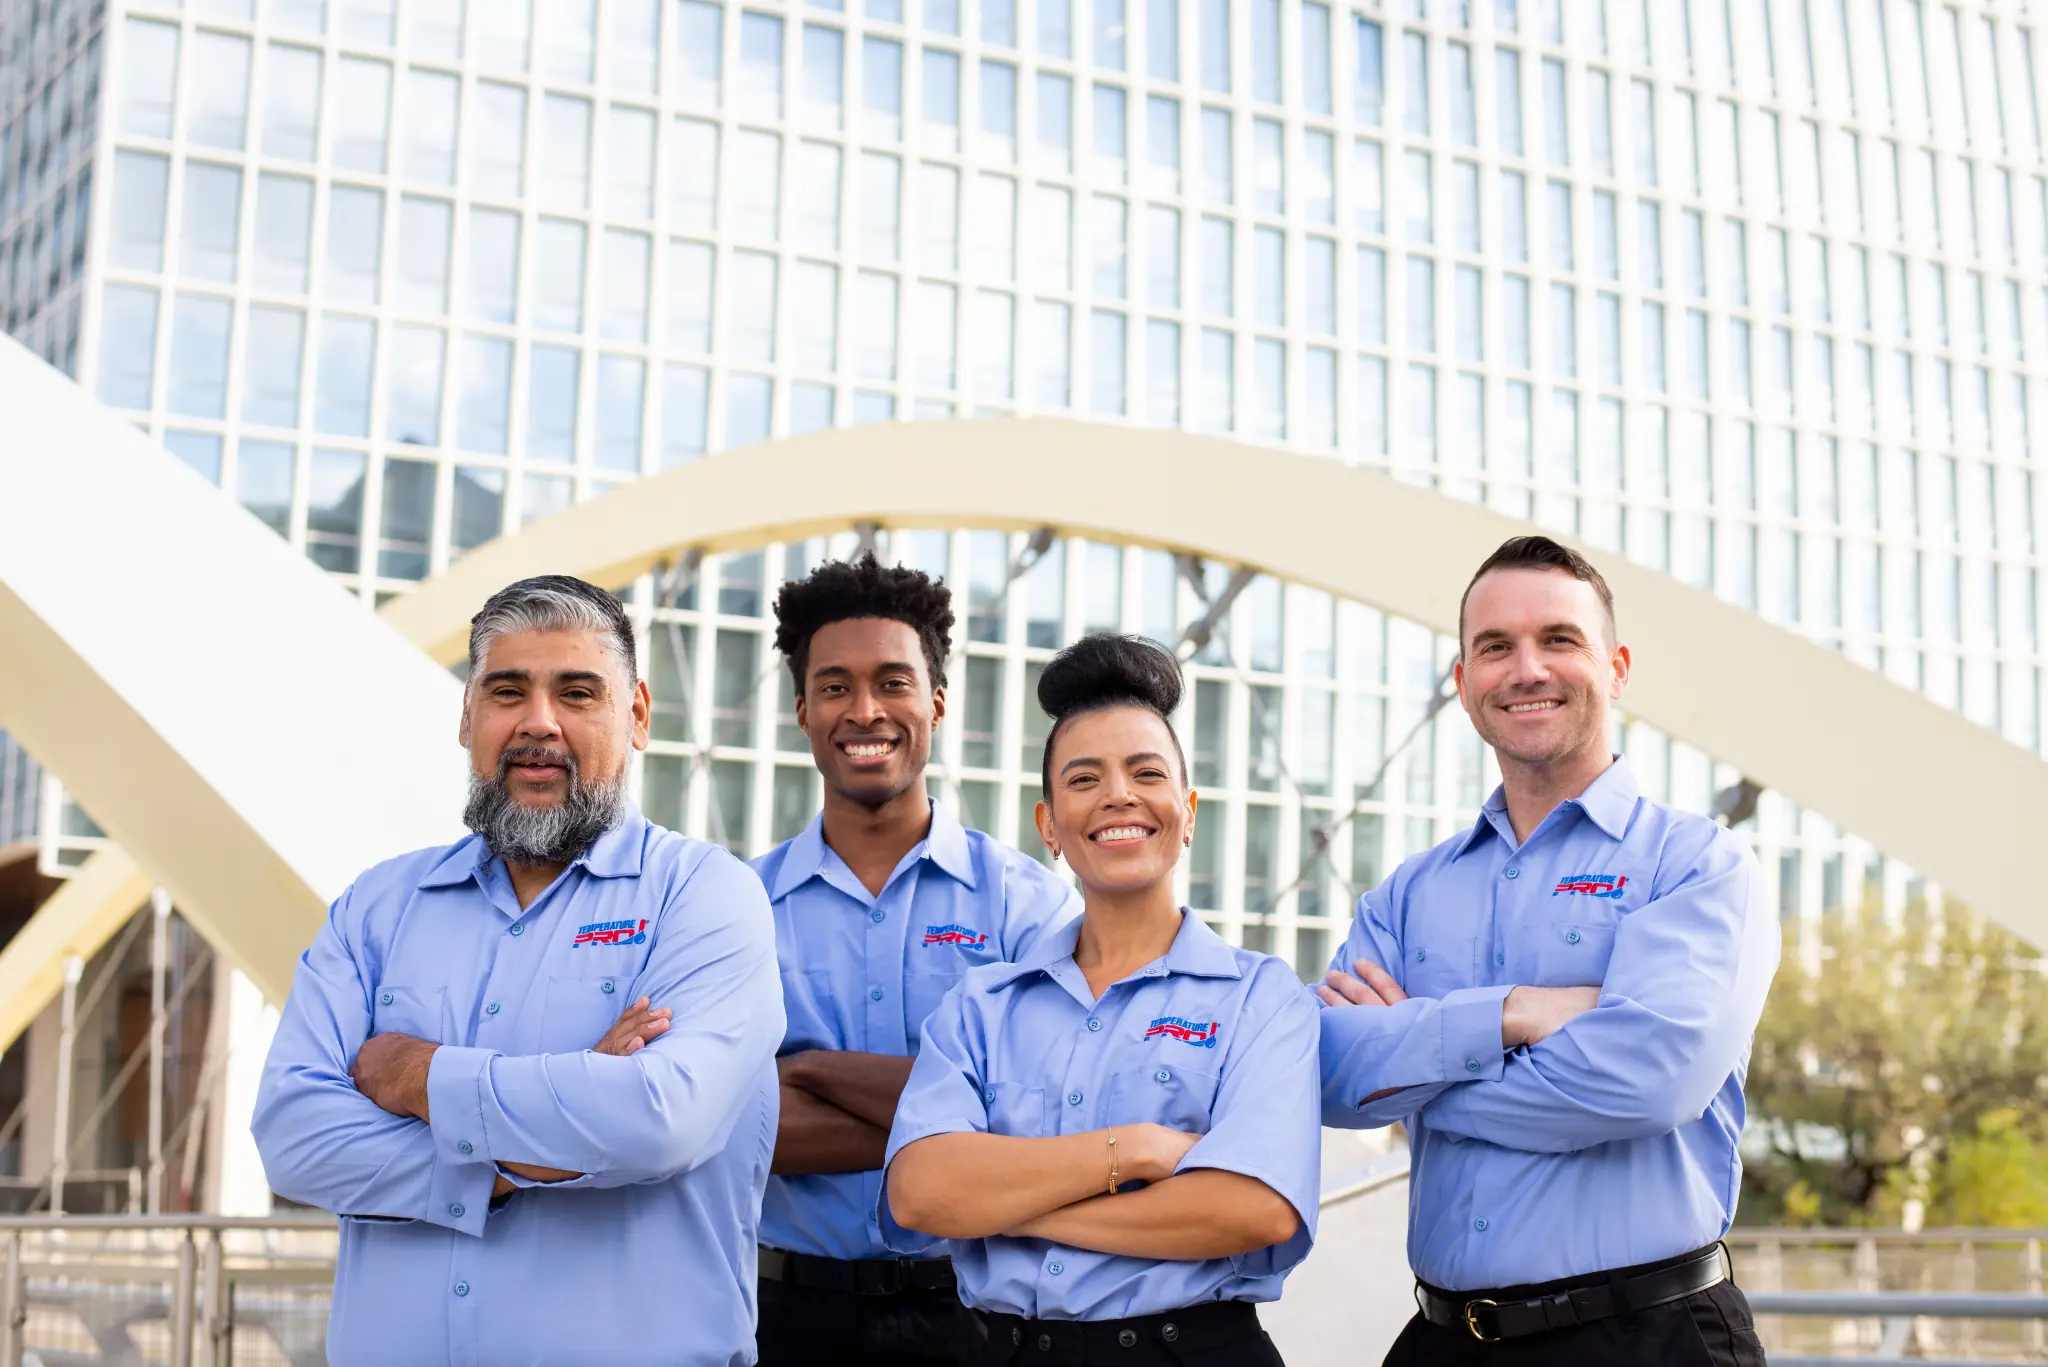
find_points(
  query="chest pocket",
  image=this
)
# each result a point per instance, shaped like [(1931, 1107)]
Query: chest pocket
[(1569, 953), (416, 1011), (1436, 964), (922, 993), (577, 1011), (1169, 1094), (1015, 1109)]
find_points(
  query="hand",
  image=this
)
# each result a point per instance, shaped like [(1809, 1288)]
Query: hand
[(1531, 1015), (638, 1026), (391, 1070), (1146, 1152), (1378, 987)]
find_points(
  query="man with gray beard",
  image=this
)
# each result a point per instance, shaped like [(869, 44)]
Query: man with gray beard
[(510, 1192)]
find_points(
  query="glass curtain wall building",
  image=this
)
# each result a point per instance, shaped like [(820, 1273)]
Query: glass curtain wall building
[(1751, 291)]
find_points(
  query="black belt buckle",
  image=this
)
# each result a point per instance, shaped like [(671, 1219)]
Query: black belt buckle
[(1471, 1317)]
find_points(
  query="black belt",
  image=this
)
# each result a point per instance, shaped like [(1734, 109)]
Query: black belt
[(1211, 1324), (862, 1277), (1491, 1316)]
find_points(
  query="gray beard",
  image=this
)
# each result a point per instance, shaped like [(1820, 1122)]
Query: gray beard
[(521, 834)]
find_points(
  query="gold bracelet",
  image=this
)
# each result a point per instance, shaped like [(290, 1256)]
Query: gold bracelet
[(1112, 1166)]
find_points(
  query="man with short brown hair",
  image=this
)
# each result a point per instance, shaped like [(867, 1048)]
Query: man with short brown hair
[(1558, 1004)]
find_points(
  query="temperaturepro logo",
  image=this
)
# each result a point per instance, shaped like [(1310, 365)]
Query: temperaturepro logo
[(1201, 1034), (964, 936), (611, 933), (1592, 885)]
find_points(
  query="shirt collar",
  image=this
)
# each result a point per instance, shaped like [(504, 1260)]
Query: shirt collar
[(615, 854), (1608, 802), (945, 842), (1196, 952)]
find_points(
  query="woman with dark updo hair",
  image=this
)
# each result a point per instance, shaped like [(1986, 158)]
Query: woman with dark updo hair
[(1119, 1132)]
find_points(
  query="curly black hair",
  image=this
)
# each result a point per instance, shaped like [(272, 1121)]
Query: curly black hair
[(840, 590), (1101, 671)]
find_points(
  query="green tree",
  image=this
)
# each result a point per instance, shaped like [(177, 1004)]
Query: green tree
[(1900, 1063)]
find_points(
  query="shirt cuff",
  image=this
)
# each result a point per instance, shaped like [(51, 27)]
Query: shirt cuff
[(459, 1194), (1471, 1018)]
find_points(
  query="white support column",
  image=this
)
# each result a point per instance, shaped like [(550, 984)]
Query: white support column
[(159, 956), (60, 1128)]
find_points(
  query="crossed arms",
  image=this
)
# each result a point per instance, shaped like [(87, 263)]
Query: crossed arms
[(837, 1106), (461, 1119), (1672, 1020)]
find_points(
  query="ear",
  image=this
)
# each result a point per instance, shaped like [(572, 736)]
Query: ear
[(643, 713), (938, 706), (1188, 832), (462, 728), (1622, 664), (1042, 816), (803, 715)]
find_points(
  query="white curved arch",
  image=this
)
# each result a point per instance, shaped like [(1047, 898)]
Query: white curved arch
[(1723, 679), (1794, 716), (230, 715)]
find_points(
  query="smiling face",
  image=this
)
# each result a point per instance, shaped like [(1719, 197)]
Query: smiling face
[(1539, 668), (869, 708), (1118, 809), (550, 709)]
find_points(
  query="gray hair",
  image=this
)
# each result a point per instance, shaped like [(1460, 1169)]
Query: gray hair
[(553, 602)]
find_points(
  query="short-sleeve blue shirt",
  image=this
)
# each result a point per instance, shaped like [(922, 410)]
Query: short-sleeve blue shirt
[(862, 970), (1208, 1038)]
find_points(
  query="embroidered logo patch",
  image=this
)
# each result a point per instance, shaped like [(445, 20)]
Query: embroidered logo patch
[(1592, 885), (1201, 1034), (611, 933), (964, 936)]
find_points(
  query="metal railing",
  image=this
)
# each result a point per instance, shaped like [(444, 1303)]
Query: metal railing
[(1824, 1298), (165, 1291)]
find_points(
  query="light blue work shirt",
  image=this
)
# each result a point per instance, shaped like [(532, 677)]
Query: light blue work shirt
[(1612, 1142), (648, 1257), (862, 970), (1207, 1038)]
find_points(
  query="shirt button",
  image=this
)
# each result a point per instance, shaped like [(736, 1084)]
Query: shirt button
[(1073, 1098), (989, 1096), (1162, 1076), (519, 929), (385, 999), (1056, 1268), (462, 1288), (1500, 956), (608, 986), (464, 1146), (1480, 1224), (875, 994), (1471, 1065), (491, 1010), (1514, 873), (1094, 1024), (456, 1210), (1571, 937), (878, 916), (1420, 955)]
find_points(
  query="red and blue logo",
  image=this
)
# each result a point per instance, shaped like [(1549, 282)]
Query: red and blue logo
[(964, 936), (1592, 885), (611, 933), (1201, 1034)]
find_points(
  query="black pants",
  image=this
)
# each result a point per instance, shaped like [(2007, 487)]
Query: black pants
[(1711, 1328), (1220, 1334), (804, 1326)]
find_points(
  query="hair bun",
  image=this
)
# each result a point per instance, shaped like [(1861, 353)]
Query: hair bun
[(1104, 670)]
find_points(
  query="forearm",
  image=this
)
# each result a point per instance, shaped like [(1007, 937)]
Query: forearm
[(814, 1136), (1202, 1214), (1379, 1063), (325, 1144), (866, 1086), (941, 1185)]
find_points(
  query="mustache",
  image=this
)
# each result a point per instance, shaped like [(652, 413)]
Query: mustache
[(536, 754)]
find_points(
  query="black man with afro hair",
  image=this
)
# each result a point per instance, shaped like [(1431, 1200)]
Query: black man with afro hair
[(880, 904)]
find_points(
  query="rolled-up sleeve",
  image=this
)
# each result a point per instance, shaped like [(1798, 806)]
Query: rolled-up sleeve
[(669, 1106), (945, 1095), (1263, 1124), (324, 1143)]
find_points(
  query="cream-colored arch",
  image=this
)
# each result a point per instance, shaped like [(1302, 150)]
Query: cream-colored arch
[(1791, 715), (247, 732), (1955, 800)]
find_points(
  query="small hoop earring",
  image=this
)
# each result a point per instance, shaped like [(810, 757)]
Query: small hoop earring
[(1187, 842), (1055, 856)]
